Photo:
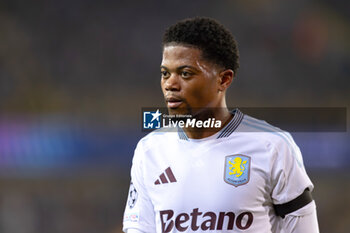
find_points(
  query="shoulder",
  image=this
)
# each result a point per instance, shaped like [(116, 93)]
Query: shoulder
[(157, 138), (149, 146), (279, 141), (265, 131)]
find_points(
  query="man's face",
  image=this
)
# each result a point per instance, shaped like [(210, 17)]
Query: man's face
[(188, 81)]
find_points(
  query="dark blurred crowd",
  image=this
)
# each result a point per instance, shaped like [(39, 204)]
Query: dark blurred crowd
[(102, 57)]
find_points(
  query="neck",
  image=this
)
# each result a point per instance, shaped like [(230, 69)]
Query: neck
[(220, 114)]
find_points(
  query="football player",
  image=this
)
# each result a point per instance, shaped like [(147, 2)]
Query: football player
[(244, 176)]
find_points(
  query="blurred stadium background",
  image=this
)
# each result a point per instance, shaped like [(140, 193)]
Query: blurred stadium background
[(75, 74)]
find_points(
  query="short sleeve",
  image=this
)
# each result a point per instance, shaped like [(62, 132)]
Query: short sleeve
[(289, 178), (139, 211)]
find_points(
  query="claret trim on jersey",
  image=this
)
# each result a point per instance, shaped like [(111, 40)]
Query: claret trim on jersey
[(226, 131), (232, 125), (182, 134)]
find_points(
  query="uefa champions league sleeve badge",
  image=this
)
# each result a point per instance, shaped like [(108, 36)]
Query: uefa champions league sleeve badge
[(132, 198), (237, 169), (131, 214)]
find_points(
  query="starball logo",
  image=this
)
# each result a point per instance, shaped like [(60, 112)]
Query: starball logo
[(199, 221), (155, 119)]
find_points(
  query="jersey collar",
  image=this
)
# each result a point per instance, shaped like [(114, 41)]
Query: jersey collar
[(224, 132)]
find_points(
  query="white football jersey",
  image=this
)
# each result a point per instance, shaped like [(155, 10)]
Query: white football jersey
[(227, 182)]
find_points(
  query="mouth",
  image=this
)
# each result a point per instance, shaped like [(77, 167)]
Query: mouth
[(173, 102)]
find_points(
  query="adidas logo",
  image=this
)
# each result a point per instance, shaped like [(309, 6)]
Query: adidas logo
[(163, 177)]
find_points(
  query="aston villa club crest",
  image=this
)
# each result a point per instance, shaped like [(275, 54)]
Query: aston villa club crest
[(237, 169)]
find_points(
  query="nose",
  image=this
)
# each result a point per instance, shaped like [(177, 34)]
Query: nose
[(172, 83)]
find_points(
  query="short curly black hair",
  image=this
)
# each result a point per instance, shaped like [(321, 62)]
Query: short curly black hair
[(211, 37)]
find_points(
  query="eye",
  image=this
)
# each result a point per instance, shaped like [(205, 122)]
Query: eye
[(164, 74), (186, 74)]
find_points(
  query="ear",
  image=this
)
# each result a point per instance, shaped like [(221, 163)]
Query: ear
[(225, 79)]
